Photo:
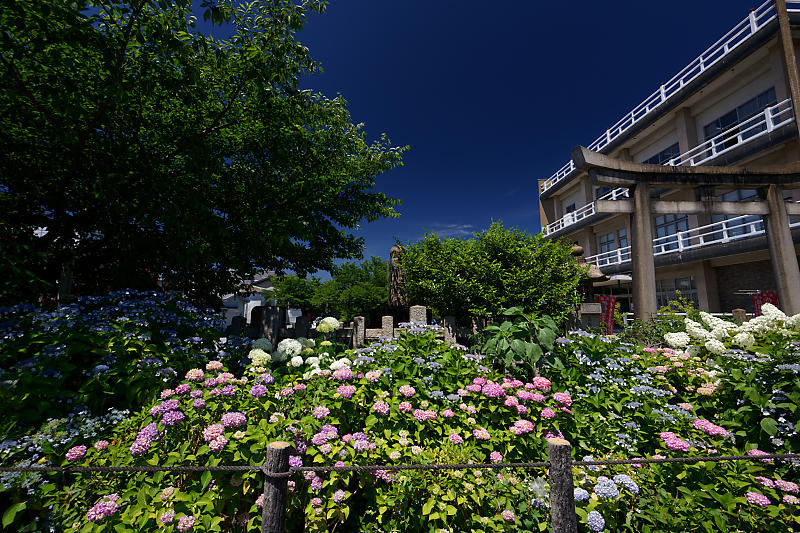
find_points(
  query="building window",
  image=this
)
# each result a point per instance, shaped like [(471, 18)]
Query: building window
[(667, 290), (667, 225), (664, 155), (570, 208), (742, 225), (739, 116), (607, 243), (622, 242)]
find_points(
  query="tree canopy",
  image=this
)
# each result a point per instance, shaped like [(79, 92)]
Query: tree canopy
[(354, 289), (140, 147), (494, 270)]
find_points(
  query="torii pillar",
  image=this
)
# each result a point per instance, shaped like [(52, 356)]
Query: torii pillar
[(645, 304), (781, 251)]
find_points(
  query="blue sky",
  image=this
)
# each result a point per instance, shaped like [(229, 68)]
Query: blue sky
[(493, 96)]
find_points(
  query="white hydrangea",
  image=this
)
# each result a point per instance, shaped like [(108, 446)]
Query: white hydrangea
[(328, 324), (696, 330), (715, 346), (744, 340), (296, 361), (313, 372), (263, 344), (312, 361), (259, 357), (772, 312), (290, 347), (678, 339), (340, 363)]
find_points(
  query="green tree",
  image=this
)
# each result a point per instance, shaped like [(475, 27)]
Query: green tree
[(147, 149), (297, 291), (354, 288), (494, 270)]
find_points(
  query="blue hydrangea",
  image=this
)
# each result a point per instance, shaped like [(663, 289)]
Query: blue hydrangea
[(605, 488), (581, 494), (626, 481), (595, 521)]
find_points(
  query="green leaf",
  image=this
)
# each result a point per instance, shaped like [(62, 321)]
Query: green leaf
[(769, 425), (426, 508), (11, 513)]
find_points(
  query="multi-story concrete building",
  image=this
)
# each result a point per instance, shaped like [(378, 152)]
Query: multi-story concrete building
[(732, 105)]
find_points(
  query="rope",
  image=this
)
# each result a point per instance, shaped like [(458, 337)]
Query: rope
[(372, 468)]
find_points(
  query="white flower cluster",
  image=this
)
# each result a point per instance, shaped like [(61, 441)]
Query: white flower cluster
[(291, 347), (341, 363), (328, 325), (772, 320), (678, 339), (259, 357)]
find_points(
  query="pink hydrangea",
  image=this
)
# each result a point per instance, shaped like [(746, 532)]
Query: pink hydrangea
[(538, 398), (75, 453), (481, 434), (786, 486), (105, 507), (380, 407), (473, 387), (320, 412), (448, 413), (214, 365), (495, 457), (493, 390), (708, 427), (757, 498), (462, 392), (767, 482), (405, 407), (185, 523), (673, 442), (788, 498), (343, 374), (508, 515), (521, 410), (455, 438), (346, 391), (521, 427), (233, 419), (373, 375), (757, 453), (287, 391), (195, 374), (548, 413), (407, 390), (183, 388), (479, 381), (524, 395), (101, 445), (563, 398), (686, 406), (541, 383), (212, 432), (511, 401), (218, 444), (424, 415)]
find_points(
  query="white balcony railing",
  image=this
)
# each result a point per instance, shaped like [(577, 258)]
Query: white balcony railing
[(757, 19), (733, 229), (772, 118)]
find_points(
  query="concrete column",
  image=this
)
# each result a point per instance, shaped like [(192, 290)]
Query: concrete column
[(418, 313), (387, 326), (710, 288), (789, 59), (778, 73), (449, 329), (686, 128), (781, 250), (642, 259), (359, 331)]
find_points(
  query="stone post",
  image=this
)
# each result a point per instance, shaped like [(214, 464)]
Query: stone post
[(359, 331), (739, 316), (272, 320), (781, 251), (643, 265), (387, 326), (418, 313), (449, 329)]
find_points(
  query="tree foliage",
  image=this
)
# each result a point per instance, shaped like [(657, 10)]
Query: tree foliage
[(147, 148), (496, 269), (354, 289)]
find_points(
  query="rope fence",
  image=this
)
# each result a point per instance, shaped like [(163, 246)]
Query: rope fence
[(276, 471)]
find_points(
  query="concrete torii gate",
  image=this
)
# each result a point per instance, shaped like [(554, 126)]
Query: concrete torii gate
[(769, 181)]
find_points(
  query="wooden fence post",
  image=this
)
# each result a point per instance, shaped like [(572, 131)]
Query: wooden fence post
[(562, 490), (273, 510)]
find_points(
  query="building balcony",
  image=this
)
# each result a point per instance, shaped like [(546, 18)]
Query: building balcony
[(737, 136), (726, 231), (730, 43)]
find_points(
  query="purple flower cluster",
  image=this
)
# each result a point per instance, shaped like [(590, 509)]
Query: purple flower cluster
[(343, 374), (165, 407), (183, 388), (787, 486), (326, 433), (455, 438), (360, 441), (757, 498), (185, 523), (338, 496), (320, 412), (144, 439), (171, 418), (674, 442), (233, 419), (258, 391), (105, 507), (195, 374), (295, 461)]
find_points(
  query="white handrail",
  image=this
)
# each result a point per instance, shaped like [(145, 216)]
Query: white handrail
[(757, 19), (732, 229), (772, 118)]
